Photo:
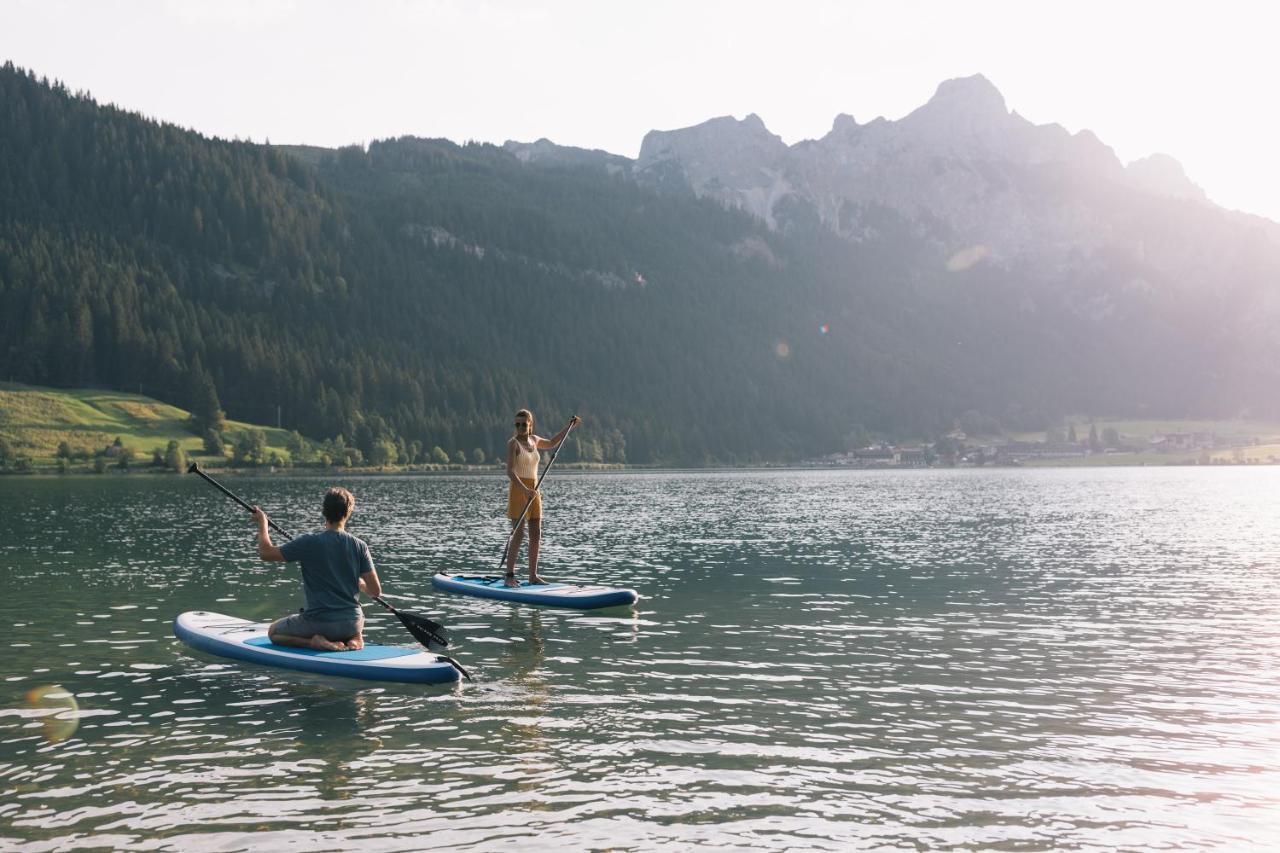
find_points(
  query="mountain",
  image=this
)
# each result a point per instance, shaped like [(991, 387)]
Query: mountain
[(1133, 259), (1160, 174), (962, 171), (723, 298)]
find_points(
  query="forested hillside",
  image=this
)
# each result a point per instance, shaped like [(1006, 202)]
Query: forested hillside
[(415, 293)]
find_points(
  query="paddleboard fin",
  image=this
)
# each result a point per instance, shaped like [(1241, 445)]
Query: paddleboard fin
[(455, 665)]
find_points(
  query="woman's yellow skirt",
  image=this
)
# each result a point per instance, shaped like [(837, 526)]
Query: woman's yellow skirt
[(516, 500)]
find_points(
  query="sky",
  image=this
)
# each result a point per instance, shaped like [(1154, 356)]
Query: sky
[(1194, 80)]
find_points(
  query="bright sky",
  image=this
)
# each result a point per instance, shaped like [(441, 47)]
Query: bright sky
[(1195, 80)]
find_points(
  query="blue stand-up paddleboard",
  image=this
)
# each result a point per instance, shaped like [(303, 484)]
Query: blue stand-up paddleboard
[(240, 639), (548, 594)]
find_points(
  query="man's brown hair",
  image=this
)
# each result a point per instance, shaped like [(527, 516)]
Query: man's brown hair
[(338, 504)]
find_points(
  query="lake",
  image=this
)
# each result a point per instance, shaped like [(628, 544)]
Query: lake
[(820, 660)]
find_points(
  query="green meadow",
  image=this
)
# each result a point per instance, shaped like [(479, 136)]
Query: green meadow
[(34, 421)]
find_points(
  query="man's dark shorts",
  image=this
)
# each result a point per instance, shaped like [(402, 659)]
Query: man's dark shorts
[(299, 625)]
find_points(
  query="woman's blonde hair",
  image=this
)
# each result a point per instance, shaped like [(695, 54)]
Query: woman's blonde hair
[(528, 414)]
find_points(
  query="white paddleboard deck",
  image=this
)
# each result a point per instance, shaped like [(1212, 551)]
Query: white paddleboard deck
[(240, 639)]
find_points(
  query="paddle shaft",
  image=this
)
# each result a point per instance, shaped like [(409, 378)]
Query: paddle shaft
[(519, 521), (195, 469)]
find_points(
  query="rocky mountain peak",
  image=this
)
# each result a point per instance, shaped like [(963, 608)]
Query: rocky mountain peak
[(962, 170), (717, 138), (1162, 175), (974, 94), (962, 113), (735, 161), (845, 125)]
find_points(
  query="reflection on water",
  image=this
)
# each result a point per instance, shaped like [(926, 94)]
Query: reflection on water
[(1021, 659)]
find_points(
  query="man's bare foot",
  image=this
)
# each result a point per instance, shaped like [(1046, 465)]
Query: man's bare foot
[(321, 643), (511, 580), (355, 644)]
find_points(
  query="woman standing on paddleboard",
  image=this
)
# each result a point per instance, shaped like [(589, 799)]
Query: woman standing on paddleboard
[(522, 470)]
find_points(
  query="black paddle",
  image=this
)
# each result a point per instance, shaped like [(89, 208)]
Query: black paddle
[(424, 630), (536, 485)]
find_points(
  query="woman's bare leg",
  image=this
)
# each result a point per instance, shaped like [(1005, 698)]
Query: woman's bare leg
[(535, 540), (517, 537)]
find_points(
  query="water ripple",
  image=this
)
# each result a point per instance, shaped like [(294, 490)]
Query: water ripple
[(821, 661)]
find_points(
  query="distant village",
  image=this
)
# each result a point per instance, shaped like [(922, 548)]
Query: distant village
[(958, 449)]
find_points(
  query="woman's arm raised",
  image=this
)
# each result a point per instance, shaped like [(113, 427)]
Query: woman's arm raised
[(548, 443)]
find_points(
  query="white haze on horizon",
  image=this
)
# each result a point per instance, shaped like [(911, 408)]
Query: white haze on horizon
[(1187, 79)]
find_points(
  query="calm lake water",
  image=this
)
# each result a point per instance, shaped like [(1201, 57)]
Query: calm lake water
[(1017, 659)]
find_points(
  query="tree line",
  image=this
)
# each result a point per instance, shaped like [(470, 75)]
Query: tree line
[(407, 297)]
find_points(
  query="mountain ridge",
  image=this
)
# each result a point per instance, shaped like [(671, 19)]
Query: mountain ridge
[(410, 293), (962, 171), (955, 157)]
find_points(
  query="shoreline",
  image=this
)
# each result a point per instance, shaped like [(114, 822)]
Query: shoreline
[(601, 468)]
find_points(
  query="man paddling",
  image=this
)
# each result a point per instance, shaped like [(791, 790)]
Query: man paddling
[(336, 568)]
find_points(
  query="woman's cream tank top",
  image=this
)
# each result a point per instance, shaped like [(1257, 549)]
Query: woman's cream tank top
[(526, 464)]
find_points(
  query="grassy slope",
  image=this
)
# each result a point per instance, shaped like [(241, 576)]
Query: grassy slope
[(34, 420)]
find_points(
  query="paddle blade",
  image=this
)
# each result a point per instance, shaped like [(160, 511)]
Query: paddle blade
[(423, 629), (456, 666)]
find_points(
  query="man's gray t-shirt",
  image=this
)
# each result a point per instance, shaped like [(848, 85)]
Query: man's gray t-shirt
[(332, 563)]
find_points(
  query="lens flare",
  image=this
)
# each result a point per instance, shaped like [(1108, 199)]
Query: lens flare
[(57, 710), (966, 258), (823, 329), (782, 350)]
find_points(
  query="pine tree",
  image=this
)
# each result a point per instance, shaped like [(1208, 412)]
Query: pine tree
[(206, 409)]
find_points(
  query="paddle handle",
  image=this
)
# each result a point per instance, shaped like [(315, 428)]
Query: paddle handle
[(193, 468), (507, 549)]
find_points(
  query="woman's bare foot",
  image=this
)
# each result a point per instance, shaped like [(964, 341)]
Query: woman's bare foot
[(536, 579), (511, 580), (355, 644), (320, 643)]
